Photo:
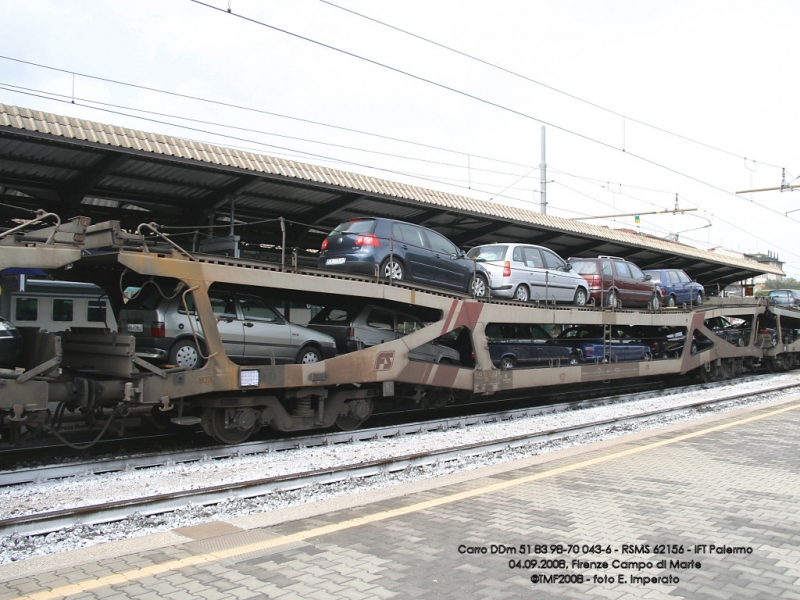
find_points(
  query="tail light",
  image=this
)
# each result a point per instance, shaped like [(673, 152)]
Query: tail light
[(506, 269), (158, 329), (351, 333), (324, 243), (367, 240)]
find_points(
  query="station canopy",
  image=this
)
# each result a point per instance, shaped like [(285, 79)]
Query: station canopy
[(74, 167)]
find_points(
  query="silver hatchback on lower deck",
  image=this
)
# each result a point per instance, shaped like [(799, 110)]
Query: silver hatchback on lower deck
[(527, 272)]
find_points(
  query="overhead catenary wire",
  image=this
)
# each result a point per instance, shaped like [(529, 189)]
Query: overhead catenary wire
[(544, 85), (481, 100)]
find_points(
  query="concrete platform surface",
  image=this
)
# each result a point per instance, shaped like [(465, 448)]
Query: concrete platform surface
[(702, 510)]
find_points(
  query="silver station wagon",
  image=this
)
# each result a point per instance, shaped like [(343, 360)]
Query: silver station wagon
[(252, 331), (525, 272)]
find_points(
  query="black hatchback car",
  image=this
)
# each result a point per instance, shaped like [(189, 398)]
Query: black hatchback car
[(401, 251)]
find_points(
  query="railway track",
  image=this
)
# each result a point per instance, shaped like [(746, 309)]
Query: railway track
[(45, 522)]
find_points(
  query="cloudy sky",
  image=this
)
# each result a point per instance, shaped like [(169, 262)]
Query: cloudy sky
[(642, 101)]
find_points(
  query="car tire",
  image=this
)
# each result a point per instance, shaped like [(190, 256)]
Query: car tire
[(655, 302), (508, 363), (393, 269), (478, 286), (612, 300), (184, 353), (308, 355), (521, 293), (574, 359), (580, 297), (672, 301), (699, 299)]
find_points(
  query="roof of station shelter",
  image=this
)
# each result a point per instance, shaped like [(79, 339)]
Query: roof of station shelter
[(73, 167)]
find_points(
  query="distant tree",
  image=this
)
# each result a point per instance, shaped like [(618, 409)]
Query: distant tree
[(782, 284)]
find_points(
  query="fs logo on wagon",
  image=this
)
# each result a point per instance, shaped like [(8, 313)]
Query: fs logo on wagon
[(384, 360)]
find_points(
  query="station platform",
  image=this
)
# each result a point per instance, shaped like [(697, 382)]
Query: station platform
[(706, 509)]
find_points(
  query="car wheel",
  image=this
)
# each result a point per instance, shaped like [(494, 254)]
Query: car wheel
[(672, 301), (521, 293), (699, 299), (574, 359), (478, 286), (508, 363), (184, 353), (308, 356), (655, 302), (580, 297), (393, 269), (612, 300)]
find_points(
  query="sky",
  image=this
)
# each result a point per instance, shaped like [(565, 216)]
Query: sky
[(642, 103)]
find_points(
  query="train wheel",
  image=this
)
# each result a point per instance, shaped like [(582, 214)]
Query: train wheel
[(230, 425), (705, 372), (358, 411)]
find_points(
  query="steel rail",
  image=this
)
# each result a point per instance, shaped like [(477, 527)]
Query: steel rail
[(41, 523), (97, 466)]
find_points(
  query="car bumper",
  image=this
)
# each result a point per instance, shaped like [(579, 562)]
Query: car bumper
[(353, 263)]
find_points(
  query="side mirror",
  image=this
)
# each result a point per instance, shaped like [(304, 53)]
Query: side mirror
[(569, 267), (647, 277)]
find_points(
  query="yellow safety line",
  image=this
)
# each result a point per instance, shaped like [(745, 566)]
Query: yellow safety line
[(135, 574)]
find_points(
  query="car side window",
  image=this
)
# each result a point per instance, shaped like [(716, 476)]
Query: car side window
[(683, 277), (397, 232), (607, 268), (517, 256), (256, 309), (381, 319), (622, 269), (532, 257), (407, 324), (553, 261), (222, 305), (439, 243), (411, 235), (673, 277), (636, 272)]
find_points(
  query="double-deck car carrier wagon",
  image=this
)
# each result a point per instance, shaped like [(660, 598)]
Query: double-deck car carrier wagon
[(96, 372)]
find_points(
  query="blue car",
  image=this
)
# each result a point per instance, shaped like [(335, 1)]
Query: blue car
[(513, 345), (401, 250), (587, 341), (676, 286)]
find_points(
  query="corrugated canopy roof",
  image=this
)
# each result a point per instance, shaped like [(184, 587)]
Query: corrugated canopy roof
[(72, 166)]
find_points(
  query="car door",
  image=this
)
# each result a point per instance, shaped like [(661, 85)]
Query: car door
[(535, 272), (379, 327), (644, 287), (561, 282), (412, 247), (229, 325), (681, 289), (448, 269), (266, 333)]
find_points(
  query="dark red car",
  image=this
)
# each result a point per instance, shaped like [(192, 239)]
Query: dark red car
[(616, 282)]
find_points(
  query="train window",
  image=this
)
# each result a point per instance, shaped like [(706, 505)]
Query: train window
[(27, 309), (96, 311), (62, 309)]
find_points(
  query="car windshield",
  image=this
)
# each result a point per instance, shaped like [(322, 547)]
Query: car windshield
[(355, 227), (147, 298), (584, 267), (487, 253)]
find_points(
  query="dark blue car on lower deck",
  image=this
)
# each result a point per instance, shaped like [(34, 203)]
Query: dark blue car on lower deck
[(525, 345), (588, 339)]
